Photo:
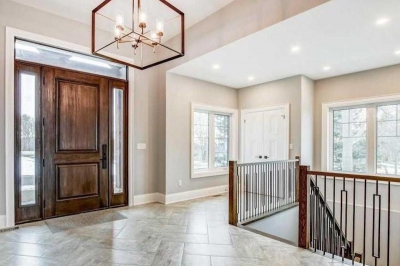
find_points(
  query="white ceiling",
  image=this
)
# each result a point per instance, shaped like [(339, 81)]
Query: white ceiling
[(81, 10), (341, 34)]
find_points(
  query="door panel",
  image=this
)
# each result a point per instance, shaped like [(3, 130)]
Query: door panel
[(274, 137), (78, 180), (254, 137), (77, 132), (76, 125)]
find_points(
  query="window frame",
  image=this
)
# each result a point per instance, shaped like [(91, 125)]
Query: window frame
[(233, 144), (371, 105)]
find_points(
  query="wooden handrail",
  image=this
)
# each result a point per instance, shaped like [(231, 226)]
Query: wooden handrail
[(268, 162), (356, 176)]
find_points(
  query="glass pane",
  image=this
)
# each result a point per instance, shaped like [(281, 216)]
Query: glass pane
[(388, 140), (118, 141), (28, 134), (221, 125), (349, 140), (200, 140), (47, 55), (385, 113)]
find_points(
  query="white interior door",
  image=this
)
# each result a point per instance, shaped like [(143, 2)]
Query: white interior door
[(265, 135), (274, 135), (253, 136)]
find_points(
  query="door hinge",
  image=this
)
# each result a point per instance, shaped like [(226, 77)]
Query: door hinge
[(43, 122), (44, 203), (44, 81), (43, 162), (284, 116), (245, 121)]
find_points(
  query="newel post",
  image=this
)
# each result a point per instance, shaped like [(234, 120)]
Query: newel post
[(303, 195), (233, 217)]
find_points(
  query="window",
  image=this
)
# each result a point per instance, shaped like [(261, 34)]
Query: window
[(388, 140), (211, 141), (366, 139), (350, 140)]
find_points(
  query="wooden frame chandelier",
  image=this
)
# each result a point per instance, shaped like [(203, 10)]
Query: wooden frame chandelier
[(139, 36)]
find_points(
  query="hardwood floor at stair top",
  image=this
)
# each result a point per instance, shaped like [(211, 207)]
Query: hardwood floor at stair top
[(191, 233)]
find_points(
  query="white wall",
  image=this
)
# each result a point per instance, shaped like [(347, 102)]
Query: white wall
[(277, 93), (181, 92), (307, 121)]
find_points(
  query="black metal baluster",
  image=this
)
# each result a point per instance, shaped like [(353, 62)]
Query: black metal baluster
[(388, 232), (323, 234), (365, 218), (354, 222), (334, 217), (376, 195)]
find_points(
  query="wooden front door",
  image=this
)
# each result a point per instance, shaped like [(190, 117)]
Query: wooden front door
[(76, 142)]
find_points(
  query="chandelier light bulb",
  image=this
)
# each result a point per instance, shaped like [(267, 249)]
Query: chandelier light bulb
[(160, 26), (142, 18)]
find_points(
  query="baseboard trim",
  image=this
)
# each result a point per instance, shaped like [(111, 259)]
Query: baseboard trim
[(3, 221), (178, 197), (195, 194), (148, 198)]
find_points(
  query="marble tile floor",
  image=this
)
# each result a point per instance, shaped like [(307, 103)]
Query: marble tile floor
[(191, 233)]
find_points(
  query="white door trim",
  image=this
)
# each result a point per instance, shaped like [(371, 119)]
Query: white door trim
[(11, 35), (286, 108)]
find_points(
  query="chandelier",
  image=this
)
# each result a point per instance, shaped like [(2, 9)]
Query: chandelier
[(155, 35)]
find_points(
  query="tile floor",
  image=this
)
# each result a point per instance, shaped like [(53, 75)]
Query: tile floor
[(189, 233)]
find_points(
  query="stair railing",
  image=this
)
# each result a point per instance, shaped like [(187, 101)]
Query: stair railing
[(349, 216), (258, 189)]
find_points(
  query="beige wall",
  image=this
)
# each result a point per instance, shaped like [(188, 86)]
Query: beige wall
[(181, 92), (378, 82), (277, 93)]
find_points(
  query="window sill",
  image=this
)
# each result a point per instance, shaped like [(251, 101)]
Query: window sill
[(207, 173)]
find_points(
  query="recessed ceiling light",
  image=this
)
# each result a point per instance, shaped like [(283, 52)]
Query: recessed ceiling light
[(295, 49), (382, 21), (397, 52), (327, 68), (250, 78), (216, 66)]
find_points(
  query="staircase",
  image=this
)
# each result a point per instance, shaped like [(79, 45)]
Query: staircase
[(327, 234)]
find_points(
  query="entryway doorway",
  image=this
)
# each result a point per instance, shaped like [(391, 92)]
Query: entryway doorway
[(71, 138), (265, 134)]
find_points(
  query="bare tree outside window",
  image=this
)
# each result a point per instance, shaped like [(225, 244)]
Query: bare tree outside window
[(388, 140), (349, 140)]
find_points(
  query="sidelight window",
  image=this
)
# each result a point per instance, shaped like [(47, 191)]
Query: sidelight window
[(118, 141), (28, 134)]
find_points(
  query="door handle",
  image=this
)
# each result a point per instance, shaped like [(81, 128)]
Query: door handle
[(103, 159), (259, 157), (266, 157)]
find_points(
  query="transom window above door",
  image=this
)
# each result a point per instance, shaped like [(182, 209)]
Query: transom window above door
[(52, 56), (211, 140), (366, 139)]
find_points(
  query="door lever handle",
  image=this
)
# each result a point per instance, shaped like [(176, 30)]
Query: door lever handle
[(266, 157), (103, 159), (259, 157)]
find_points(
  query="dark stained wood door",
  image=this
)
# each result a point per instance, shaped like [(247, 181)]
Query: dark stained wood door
[(76, 142)]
